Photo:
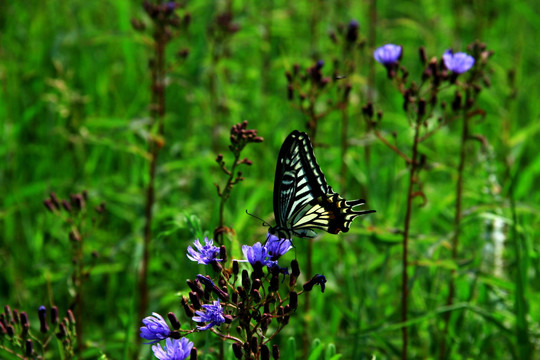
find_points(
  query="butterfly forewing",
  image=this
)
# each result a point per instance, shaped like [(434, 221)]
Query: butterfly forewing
[(303, 201)]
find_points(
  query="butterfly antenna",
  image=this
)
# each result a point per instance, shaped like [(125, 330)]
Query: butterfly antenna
[(258, 218)]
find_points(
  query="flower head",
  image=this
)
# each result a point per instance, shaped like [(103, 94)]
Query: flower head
[(213, 315), (276, 247), (155, 328), (203, 254), (458, 62), (388, 54), (176, 349), (257, 253)]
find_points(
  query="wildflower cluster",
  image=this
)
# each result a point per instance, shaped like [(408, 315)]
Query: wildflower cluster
[(16, 336), (238, 305)]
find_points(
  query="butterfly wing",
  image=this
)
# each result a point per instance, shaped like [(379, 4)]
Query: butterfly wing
[(303, 201)]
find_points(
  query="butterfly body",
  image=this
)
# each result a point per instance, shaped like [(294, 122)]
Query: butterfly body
[(303, 201)]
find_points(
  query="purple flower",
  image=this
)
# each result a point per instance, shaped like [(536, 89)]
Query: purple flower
[(258, 253), (176, 349), (458, 62), (388, 55), (213, 315), (276, 247), (155, 328), (203, 254)]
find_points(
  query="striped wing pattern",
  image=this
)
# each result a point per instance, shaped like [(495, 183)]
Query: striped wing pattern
[(303, 201)]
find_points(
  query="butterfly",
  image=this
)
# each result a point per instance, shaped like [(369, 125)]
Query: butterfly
[(303, 201)]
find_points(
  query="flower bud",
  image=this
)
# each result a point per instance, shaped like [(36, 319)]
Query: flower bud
[(254, 344), (194, 298), (295, 268), (193, 354), (62, 331), (235, 267), (237, 350), (173, 320), (54, 315), (223, 253), (29, 348), (187, 309), (245, 280), (71, 317), (42, 312), (293, 299), (265, 352), (275, 351)]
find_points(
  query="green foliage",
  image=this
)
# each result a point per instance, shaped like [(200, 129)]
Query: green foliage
[(74, 115)]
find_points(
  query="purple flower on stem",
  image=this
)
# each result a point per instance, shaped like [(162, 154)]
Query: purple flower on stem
[(388, 55), (458, 62), (276, 247), (155, 328), (213, 314), (257, 253), (176, 349), (203, 254)]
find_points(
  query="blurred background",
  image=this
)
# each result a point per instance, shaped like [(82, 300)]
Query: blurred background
[(76, 114)]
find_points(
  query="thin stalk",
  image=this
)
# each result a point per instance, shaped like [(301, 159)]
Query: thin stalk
[(371, 40), (457, 230), (406, 227), (154, 146)]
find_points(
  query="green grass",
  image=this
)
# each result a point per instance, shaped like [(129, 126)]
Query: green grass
[(74, 113)]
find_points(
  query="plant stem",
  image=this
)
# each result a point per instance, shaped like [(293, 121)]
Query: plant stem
[(406, 227), (457, 230), (154, 145)]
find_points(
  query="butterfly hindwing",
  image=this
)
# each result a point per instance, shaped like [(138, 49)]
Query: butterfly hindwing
[(303, 201)]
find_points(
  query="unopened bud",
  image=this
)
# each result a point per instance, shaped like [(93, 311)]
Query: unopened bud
[(275, 351), (173, 320)]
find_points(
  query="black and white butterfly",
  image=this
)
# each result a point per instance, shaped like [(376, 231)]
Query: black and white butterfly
[(303, 201)]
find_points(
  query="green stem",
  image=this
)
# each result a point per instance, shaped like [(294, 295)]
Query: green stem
[(406, 228)]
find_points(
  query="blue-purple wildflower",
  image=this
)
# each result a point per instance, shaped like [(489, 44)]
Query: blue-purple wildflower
[(213, 315), (257, 253), (203, 254), (276, 247), (155, 328), (388, 54), (175, 349), (459, 62)]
